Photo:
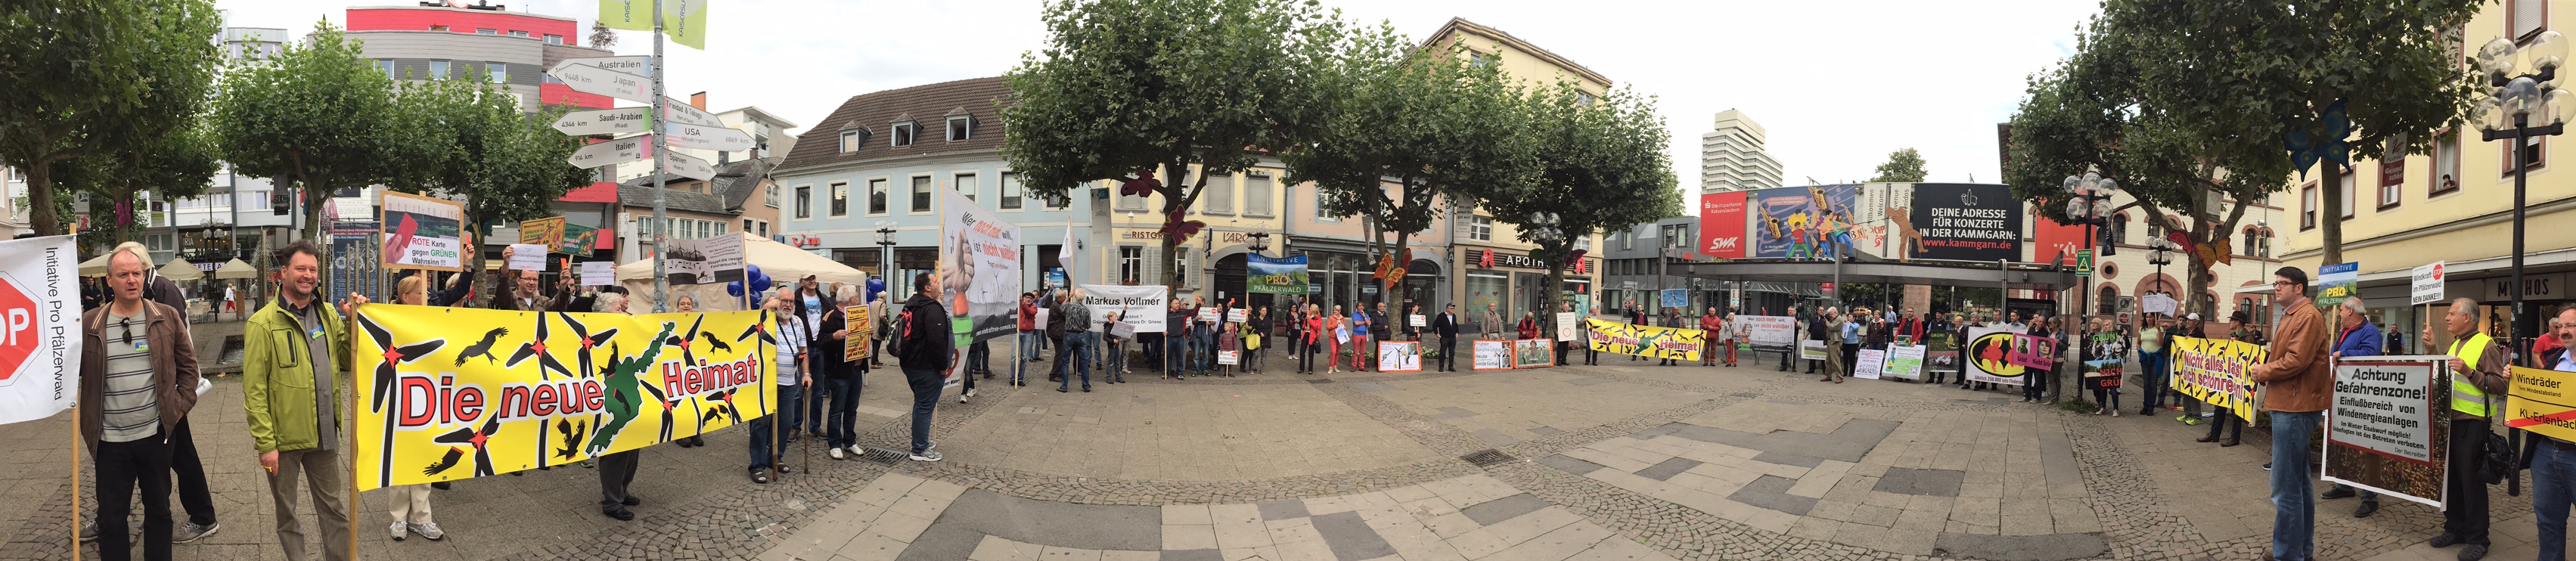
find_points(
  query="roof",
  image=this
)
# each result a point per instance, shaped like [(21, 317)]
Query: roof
[(1456, 24), (755, 112), (740, 181), (876, 112), (735, 183)]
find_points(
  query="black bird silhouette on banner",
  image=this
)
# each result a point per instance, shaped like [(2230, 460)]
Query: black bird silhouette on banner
[(572, 434), (537, 348), (483, 348), (712, 341), (467, 437)]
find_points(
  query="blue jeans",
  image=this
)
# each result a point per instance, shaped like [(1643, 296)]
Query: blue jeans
[(1028, 352), (2151, 369), (845, 403), (1075, 345), (926, 385), (1115, 358), (763, 430), (1172, 356), (2553, 486), (2294, 499), (979, 358)]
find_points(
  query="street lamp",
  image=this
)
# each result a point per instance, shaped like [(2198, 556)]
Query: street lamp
[(2088, 201), (2160, 254), (885, 254), (2521, 107)]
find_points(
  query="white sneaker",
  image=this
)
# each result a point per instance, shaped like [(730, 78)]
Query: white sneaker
[(857, 452), (429, 530), (836, 454), (961, 398), (970, 392), (2115, 413), (398, 530), (927, 454)]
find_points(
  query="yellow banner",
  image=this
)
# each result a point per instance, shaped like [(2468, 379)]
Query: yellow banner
[(456, 393), (2538, 402), (1650, 342), (2213, 371)]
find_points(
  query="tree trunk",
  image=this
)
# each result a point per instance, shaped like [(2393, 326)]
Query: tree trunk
[(2330, 217), (1176, 196), (40, 200)]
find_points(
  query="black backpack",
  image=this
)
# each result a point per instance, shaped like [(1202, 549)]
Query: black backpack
[(901, 337)]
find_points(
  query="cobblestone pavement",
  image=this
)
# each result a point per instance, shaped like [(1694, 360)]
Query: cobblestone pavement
[(1621, 461)]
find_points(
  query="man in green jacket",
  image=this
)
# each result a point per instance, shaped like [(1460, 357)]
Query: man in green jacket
[(295, 353)]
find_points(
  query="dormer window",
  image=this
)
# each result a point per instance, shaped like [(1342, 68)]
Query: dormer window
[(903, 133), (961, 124), (849, 141)]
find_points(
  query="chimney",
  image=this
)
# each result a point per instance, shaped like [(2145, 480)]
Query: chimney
[(698, 100)]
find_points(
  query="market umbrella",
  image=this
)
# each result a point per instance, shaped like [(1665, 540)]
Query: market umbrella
[(236, 269), (782, 262), (181, 270), (95, 266)]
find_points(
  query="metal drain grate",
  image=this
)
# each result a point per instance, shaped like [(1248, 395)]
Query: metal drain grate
[(1488, 458), (881, 456)]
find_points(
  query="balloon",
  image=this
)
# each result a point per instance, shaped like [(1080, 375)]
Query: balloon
[(875, 286), (759, 280), (733, 289)]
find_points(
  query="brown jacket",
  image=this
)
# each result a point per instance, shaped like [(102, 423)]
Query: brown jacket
[(2296, 375), (174, 368)]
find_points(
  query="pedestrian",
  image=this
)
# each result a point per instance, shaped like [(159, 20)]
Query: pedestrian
[(1176, 336), (1446, 328), (926, 349), (186, 466), (1030, 335), (1229, 339), (2190, 327), (1788, 355), (230, 305), (1338, 340), (1292, 332), (2478, 366), (409, 504), (2220, 418), (1492, 324), (1591, 353), (1562, 351), (1637, 317), (2359, 338), (2297, 386), (290, 387), (2152, 358), (2108, 347), (766, 444), (1713, 328), (1076, 319), (1844, 347), (1937, 325), (1823, 328), (138, 381), (1115, 348), (2552, 461), (1054, 325), (1257, 338), (1527, 328), (2034, 384), (842, 378), (1311, 330), (1362, 355)]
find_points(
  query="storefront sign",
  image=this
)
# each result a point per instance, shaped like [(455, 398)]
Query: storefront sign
[(1492, 258), (1721, 224)]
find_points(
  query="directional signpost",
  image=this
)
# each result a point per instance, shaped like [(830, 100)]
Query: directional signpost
[(636, 65), (681, 112), (688, 166), (722, 139), (622, 120), (639, 79), (597, 81), (612, 152)]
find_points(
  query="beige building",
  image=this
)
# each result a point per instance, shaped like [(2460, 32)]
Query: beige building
[(2453, 206), (1490, 263)]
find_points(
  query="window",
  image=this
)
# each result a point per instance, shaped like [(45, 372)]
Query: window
[(1480, 59), (1627, 240), (1131, 264), (2446, 165), (553, 39), (771, 195), (2109, 301), (877, 196), (921, 193), (499, 72), (2253, 240), (438, 69), (1583, 97), (1218, 197), (804, 201), (1129, 202), (1583, 243), (517, 33), (1676, 236), (966, 185), (2350, 192), (2119, 228), (902, 134), (746, 225), (1480, 228), (1060, 201), (486, 31), (1256, 195), (840, 199), (2525, 19), (960, 127), (849, 141), (2392, 172), (385, 66), (764, 228), (2533, 155), (1010, 190), (2308, 206), (2155, 231)]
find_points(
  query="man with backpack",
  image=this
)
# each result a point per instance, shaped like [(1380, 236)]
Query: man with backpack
[(923, 346)]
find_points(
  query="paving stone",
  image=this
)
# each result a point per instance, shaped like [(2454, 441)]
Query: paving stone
[(1283, 509), (1772, 492), (1668, 468), (1495, 511), (1928, 482), (1351, 538)]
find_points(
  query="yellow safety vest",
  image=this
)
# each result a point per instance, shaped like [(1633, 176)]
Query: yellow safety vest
[(2465, 396)]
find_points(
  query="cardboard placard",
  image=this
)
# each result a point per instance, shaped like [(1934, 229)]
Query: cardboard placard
[(862, 332), (1399, 356), (1492, 355), (1867, 363), (1237, 315), (548, 231), (598, 273), (527, 257), (1533, 353)]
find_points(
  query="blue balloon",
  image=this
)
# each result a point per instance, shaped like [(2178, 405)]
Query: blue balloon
[(875, 286), (734, 289)]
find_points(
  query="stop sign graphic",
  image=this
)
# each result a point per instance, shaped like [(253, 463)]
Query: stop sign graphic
[(19, 338)]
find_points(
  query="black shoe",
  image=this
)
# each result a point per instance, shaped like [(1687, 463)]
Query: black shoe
[(439, 485), (2337, 493), (631, 500), (2473, 552), (1086, 389), (2447, 539), (783, 469), (619, 513), (2367, 507), (1059, 390)]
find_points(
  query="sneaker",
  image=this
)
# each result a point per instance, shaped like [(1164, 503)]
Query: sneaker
[(2115, 413), (190, 531), (857, 452), (970, 392), (89, 532), (398, 530), (429, 531), (2473, 552), (836, 454), (2267, 466), (961, 398), (930, 454), (2193, 422), (760, 476), (2184, 418)]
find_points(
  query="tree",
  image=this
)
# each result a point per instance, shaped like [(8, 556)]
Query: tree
[(2275, 72), (1603, 168), (1903, 166), (89, 77), (317, 116), (601, 36), (1125, 87), (1422, 119), (174, 166)]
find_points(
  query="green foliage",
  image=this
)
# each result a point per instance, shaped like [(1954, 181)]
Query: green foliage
[(1130, 85), (90, 78), (317, 117), (467, 140), (1903, 166), (1425, 120), (1601, 167)]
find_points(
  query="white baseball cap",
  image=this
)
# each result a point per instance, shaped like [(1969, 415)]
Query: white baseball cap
[(2195, 316)]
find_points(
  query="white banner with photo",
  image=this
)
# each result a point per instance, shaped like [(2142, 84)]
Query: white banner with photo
[(703, 261), (1771, 331), (979, 274), (1139, 306)]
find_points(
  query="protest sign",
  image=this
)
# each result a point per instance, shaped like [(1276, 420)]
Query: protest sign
[(1533, 353), (2425, 285), (2539, 402), (39, 367), (1207, 314), (598, 273), (862, 332), (1650, 342), (1399, 356), (1139, 306), (422, 232), (548, 231), (1492, 355), (2213, 371), (1867, 363), (1417, 320), (444, 394), (1229, 357), (1905, 361), (527, 257), (1569, 326), (2388, 426), (979, 268), (704, 261), (1237, 315), (1941, 353), (1988, 358), (1122, 330), (1771, 331), (1265, 275)]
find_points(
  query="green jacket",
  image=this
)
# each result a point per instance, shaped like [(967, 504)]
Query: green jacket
[(277, 380)]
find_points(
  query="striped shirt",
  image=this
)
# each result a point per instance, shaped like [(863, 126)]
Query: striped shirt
[(132, 410)]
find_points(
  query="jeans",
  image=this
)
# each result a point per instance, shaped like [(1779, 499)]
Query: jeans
[(194, 496), (2151, 369), (2464, 511), (841, 422), (1448, 353), (1116, 354), (1028, 352), (1172, 356), (123, 466), (979, 358), (1074, 345), (814, 398), (2553, 487), (2294, 499), (763, 439), (925, 398)]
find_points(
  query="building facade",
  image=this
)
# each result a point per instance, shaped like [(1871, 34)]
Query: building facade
[(1732, 158), (1491, 260)]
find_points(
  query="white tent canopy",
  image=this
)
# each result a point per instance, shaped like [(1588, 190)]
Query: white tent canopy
[(181, 270), (784, 265), (236, 269)]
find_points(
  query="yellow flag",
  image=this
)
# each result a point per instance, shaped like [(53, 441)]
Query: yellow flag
[(635, 15), (686, 22)]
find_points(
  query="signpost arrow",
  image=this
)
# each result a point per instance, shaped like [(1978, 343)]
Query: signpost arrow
[(603, 121), (637, 65), (597, 81), (688, 166), (613, 152), (681, 112), (707, 138)]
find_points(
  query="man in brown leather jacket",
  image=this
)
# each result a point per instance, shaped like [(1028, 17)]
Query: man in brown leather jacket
[(138, 376), (2298, 383)]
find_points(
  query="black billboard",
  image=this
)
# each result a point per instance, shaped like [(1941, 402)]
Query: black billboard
[(1965, 222)]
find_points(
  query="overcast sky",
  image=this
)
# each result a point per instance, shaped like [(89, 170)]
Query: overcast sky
[(1838, 85)]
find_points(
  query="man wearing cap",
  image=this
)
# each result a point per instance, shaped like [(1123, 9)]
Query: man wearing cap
[(2553, 461), (2298, 382), (2478, 382)]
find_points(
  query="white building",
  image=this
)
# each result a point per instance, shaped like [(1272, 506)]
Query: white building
[(1731, 158), (768, 138)]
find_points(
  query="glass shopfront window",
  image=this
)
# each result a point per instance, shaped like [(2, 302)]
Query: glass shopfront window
[(1487, 289)]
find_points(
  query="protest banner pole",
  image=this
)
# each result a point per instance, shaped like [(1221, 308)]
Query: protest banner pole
[(77, 447)]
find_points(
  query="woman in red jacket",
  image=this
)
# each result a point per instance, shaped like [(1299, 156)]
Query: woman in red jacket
[(1713, 329), (1333, 332), (1529, 325), (1312, 324)]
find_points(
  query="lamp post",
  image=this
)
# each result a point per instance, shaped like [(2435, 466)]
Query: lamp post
[(1547, 229), (885, 256), (2088, 201), (2160, 254), (2521, 107)]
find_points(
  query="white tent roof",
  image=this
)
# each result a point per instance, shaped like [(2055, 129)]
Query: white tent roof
[(784, 265), (181, 270)]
